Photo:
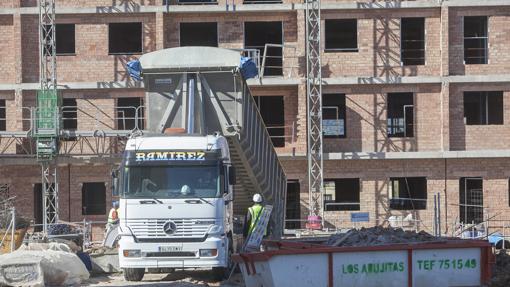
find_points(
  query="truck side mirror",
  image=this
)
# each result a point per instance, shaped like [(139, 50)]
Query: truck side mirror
[(115, 182), (232, 175)]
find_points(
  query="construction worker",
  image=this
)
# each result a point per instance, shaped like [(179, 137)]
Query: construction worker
[(253, 215), (113, 215)]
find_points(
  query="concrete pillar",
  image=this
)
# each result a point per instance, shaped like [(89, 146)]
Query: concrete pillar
[(160, 31)]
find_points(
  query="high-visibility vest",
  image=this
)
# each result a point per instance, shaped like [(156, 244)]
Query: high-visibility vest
[(255, 212), (113, 216)]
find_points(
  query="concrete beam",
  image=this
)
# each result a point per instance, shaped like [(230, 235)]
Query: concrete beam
[(135, 8), (60, 160), (418, 155), (280, 81), (499, 78), (379, 80), (377, 5), (475, 3)]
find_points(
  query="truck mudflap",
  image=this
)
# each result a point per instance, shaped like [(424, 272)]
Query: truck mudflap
[(445, 263)]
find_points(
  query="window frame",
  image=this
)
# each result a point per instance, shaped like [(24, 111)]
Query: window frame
[(344, 103), (486, 40), (217, 34), (402, 63), (340, 205), (484, 119), (3, 111), (126, 53), (414, 201), (341, 50), (390, 127), (84, 199), (261, 49)]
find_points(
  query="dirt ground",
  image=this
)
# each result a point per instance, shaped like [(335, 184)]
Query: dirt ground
[(175, 279)]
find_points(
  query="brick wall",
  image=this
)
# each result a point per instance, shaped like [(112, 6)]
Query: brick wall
[(374, 191), (378, 52), (7, 47), (499, 35), (231, 32), (22, 179), (366, 110), (477, 137)]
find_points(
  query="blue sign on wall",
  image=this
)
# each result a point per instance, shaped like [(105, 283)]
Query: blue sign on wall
[(359, 217)]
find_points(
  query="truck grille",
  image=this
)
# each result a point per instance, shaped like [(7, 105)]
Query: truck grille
[(171, 254), (153, 228)]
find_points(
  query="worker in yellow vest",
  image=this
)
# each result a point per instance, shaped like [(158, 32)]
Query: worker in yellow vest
[(113, 215), (253, 215)]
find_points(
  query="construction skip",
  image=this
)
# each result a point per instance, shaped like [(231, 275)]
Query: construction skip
[(447, 263)]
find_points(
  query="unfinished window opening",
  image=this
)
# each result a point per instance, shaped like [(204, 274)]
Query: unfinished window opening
[(69, 114), (130, 113), (271, 110), (341, 35), (408, 193), (93, 196), (64, 39), (412, 46), (38, 207), (483, 108), (475, 40), (3, 116), (125, 38), (293, 205), (257, 35), (471, 200), (400, 115), (341, 194), (199, 34), (333, 115), (189, 2)]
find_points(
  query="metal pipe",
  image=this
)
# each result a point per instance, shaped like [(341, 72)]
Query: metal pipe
[(13, 218), (439, 213), (435, 215), (191, 106)]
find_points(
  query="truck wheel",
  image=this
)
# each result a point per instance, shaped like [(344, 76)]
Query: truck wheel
[(134, 274), (220, 273)]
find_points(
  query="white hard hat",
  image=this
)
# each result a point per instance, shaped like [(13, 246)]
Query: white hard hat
[(185, 189), (257, 198)]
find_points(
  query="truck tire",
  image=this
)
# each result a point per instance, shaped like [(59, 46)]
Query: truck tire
[(134, 274), (221, 273)]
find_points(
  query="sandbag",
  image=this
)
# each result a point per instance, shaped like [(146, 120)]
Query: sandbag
[(41, 267)]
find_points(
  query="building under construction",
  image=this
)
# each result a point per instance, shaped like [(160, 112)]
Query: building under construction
[(415, 102)]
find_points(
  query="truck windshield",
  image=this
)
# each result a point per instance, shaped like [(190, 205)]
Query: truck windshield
[(171, 182)]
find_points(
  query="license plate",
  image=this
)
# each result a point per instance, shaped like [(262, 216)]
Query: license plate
[(170, 248)]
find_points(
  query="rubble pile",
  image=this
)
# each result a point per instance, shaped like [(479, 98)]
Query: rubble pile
[(378, 235), (501, 271)]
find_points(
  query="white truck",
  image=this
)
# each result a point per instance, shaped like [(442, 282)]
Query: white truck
[(204, 153)]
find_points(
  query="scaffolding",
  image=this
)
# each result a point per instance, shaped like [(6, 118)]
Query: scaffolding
[(314, 106), (47, 125)]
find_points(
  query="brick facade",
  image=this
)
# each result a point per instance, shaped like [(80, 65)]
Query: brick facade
[(365, 77)]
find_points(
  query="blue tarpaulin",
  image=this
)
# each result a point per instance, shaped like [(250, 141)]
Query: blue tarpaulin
[(134, 69), (248, 68)]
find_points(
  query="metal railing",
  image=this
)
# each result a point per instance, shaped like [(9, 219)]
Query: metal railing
[(10, 229), (281, 135), (289, 61)]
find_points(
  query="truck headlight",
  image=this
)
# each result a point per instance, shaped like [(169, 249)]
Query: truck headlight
[(132, 253), (208, 252), (216, 229)]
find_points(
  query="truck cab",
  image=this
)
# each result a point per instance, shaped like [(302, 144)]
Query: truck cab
[(175, 206)]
